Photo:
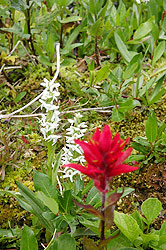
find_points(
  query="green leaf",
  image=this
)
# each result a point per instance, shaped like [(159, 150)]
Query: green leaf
[(128, 248), (36, 204), (66, 242), (56, 168), (92, 7), (117, 116), (50, 44), (71, 19), (43, 183), (151, 128), (144, 29), (28, 239), (130, 71), (151, 209), (19, 5), (66, 202), (49, 202), (127, 225), (158, 52), (93, 197), (122, 47), (128, 105), (45, 60), (20, 96), (157, 97), (102, 74), (97, 28)]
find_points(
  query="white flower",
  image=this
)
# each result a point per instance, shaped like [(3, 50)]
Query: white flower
[(72, 151), (50, 121)]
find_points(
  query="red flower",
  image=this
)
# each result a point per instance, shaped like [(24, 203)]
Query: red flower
[(104, 156), (24, 139)]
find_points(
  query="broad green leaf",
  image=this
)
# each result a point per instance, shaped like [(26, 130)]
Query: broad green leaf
[(102, 74), (117, 116), (19, 5), (137, 216), (28, 239), (49, 202), (66, 202), (20, 96), (71, 19), (36, 204), (128, 105), (158, 52), (127, 225), (43, 183), (122, 47), (151, 209), (151, 128), (144, 29), (162, 242), (121, 241), (66, 242)]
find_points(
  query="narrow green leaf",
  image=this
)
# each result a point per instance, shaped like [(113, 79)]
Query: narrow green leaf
[(122, 47), (93, 197), (20, 96), (28, 239), (71, 19), (151, 128), (36, 204), (158, 52), (151, 209), (92, 7)]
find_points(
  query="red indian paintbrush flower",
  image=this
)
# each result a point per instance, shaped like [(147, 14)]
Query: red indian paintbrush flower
[(104, 156)]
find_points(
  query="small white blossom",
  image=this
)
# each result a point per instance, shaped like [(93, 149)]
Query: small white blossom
[(142, 1), (50, 121), (72, 151)]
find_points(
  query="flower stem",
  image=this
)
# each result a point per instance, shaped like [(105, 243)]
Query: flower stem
[(102, 237)]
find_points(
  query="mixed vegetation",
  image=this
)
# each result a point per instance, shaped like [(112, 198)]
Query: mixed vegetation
[(84, 74)]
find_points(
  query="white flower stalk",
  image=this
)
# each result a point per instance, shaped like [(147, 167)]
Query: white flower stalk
[(72, 151), (142, 1), (50, 121)]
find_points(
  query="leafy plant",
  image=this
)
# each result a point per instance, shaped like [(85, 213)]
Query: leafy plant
[(135, 228)]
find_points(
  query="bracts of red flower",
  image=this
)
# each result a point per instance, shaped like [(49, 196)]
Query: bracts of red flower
[(105, 156)]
